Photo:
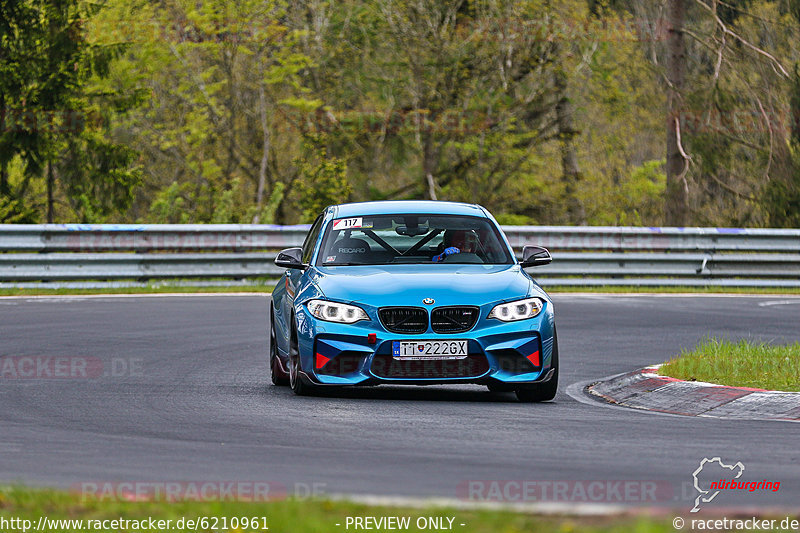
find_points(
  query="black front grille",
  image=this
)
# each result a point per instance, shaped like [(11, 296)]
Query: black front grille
[(404, 319), (455, 319)]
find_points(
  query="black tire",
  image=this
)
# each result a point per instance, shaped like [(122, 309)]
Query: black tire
[(546, 391), (300, 387), (277, 374)]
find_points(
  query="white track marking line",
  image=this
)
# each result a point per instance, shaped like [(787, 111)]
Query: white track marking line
[(583, 509), (770, 303)]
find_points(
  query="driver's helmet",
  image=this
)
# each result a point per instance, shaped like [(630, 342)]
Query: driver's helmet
[(465, 240)]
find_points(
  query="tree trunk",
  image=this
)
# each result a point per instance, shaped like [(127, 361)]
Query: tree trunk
[(4, 188), (50, 184), (262, 171), (571, 173), (676, 201), (429, 160)]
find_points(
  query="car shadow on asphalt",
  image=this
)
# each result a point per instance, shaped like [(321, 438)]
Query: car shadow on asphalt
[(429, 393)]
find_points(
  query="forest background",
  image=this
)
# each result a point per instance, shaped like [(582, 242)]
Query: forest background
[(581, 112)]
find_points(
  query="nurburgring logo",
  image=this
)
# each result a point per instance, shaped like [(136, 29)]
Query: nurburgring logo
[(706, 495)]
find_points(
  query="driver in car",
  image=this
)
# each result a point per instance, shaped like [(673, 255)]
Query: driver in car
[(456, 241)]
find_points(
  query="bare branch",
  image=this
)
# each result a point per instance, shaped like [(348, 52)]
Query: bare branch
[(742, 40), (719, 60), (731, 189), (686, 158), (431, 186), (769, 128)]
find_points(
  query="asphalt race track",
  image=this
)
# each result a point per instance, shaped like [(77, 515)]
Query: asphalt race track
[(171, 388)]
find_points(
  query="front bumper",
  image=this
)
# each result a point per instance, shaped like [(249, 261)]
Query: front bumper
[(514, 354)]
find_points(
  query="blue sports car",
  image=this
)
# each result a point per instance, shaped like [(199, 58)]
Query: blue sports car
[(412, 292)]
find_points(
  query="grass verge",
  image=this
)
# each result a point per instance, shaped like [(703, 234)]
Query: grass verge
[(739, 364), (291, 516)]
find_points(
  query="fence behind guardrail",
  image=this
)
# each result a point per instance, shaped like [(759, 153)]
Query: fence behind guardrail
[(582, 256)]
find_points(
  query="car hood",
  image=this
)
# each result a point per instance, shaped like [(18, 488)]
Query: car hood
[(410, 284)]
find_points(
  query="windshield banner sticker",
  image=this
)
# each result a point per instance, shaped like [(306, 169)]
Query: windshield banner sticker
[(347, 223)]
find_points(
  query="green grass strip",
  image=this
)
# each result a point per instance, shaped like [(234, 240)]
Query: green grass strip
[(292, 516), (739, 364)]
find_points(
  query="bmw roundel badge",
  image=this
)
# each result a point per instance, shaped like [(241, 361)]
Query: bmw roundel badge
[(428, 301)]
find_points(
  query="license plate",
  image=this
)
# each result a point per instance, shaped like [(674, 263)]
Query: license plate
[(443, 349)]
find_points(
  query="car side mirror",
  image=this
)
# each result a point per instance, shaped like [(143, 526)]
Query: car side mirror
[(290, 258), (533, 256)]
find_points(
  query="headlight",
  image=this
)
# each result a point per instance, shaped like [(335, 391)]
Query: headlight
[(519, 310), (336, 312)]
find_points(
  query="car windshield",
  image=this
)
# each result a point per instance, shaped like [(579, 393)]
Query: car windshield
[(385, 239)]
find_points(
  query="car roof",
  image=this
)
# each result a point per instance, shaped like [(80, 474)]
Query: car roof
[(405, 206)]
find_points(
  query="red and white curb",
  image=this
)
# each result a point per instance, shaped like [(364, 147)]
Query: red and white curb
[(646, 389)]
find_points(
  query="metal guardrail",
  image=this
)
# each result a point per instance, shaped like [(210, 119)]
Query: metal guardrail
[(627, 239), (582, 255), (148, 237), (80, 266), (186, 237)]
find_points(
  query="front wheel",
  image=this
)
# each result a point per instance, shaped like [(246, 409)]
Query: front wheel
[(545, 391), (296, 382), (277, 374)]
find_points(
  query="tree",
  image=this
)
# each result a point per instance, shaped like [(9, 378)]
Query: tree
[(439, 100), (323, 179), (725, 83), (224, 79), (676, 209), (49, 66), (260, 111), (783, 192), (18, 33)]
